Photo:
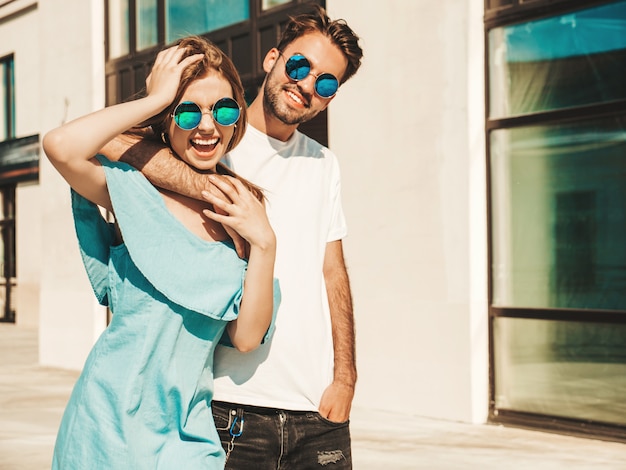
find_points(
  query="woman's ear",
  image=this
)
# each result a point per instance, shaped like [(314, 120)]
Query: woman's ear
[(270, 59)]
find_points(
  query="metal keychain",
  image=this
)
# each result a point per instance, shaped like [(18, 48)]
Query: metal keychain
[(234, 430)]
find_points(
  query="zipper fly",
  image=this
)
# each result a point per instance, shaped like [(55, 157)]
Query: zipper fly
[(282, 417)]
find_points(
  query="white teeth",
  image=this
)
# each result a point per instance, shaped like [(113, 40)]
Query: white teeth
[(205, 141), (295, 97)]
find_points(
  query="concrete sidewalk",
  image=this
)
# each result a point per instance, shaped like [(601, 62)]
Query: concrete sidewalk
[(32, 399)]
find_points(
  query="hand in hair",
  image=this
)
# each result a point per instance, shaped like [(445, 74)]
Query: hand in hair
[(164, 77)]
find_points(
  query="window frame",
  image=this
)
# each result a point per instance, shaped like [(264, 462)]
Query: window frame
[(521, 11)]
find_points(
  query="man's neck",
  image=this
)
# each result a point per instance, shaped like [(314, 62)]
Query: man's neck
[(268, 124)]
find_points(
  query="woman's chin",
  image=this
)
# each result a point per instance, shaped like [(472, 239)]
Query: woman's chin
[(202, 163)]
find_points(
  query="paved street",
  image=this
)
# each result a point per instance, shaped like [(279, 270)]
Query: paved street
[(32, 399)]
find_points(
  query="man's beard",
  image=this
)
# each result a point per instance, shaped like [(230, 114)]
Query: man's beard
[(275, 105)]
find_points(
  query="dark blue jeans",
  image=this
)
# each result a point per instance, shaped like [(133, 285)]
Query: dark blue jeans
[(270, 439)]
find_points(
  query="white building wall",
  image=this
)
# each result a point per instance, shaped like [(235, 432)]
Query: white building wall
[(72, 71), (409, 132), (28, 251), (19, 35)]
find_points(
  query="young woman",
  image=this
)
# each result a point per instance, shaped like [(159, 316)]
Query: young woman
[(167, 269)]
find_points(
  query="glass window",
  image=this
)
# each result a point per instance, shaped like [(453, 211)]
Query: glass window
[(146, 24), (7, 102), (557, 368), (569, 60), (118, 28), (7, 252), (185, 17), (267, 4), (558, 196)]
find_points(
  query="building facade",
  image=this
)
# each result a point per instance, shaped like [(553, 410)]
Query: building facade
[(484, 168)]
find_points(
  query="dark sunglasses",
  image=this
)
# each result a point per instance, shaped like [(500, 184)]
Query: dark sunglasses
[(187, 115), (298, 67)]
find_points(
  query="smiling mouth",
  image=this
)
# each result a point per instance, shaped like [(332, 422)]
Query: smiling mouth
[(297, 99), (205, 145)]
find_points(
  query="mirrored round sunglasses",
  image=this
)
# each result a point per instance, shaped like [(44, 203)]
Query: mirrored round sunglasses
[(187, 115), (298, 67)]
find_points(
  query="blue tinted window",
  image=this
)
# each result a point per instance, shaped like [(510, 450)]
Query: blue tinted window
[(558, 204), (559, 62), (185, 17), (146, 24)]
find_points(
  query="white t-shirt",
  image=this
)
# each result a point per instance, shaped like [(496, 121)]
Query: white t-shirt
[(301, 181)]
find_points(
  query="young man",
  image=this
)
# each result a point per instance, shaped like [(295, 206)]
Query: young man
[(287, 403)]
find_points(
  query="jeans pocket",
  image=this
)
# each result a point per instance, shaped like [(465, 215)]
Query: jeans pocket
[(327, 421), (222, 417)]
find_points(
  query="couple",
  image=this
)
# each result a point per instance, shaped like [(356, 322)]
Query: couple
[(158, 391)]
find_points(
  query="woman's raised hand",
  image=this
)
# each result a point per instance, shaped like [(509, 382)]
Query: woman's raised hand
[(164, 78)]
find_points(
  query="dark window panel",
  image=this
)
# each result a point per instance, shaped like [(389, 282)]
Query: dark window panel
[(126, 84), (268, 38), (111, 89), (242, 53), (140, 73)]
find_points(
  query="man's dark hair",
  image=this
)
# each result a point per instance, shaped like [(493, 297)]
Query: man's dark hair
[(337, 31)]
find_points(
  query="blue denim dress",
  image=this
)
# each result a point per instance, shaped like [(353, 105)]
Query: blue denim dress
[(143, 398)]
